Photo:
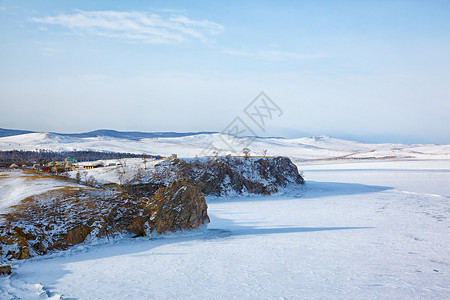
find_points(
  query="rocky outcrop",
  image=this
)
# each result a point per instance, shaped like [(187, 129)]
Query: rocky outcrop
[(230, 175), (5, 270), (169, 199), (137, 189), (180, 206), (77, 235), (59, 219)]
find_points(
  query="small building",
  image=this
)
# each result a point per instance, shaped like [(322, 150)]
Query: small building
[(93, 166), (70, 161), (13, 166), (59, 166), (174, 156)]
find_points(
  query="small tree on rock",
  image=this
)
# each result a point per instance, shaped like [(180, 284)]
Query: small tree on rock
[(246, 152), (215, 154)]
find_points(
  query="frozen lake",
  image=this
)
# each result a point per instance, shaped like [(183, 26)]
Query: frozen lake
[(364, 230)]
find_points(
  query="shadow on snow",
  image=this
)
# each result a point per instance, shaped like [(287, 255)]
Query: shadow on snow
[(310, 190)]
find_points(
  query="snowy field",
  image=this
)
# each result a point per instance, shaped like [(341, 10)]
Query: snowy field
[(16, 185), (356, 231)]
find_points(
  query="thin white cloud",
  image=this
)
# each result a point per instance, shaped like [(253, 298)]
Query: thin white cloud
[(275, 55), (140, 26), (168, 10), (51, 51)]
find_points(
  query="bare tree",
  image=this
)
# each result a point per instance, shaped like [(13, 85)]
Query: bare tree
[(121, 176), (121, 163), (78, 176), (85, 173), (144, 160), (139, 175), (91, 181), (264, 153), (246, 152)]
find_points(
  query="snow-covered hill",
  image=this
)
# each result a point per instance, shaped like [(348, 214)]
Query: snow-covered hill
[(18, 185), (131, 135), (321, 147)]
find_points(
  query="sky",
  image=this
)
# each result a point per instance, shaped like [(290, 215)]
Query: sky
[(374, 71)]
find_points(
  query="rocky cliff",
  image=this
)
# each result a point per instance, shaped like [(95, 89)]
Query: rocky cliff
[(229, 175), (59, 219), (180, 206)]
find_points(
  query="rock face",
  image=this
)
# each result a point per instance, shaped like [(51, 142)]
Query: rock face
[(59, 219), (141, 189), (180, 206), (231, 175), (5, 270)]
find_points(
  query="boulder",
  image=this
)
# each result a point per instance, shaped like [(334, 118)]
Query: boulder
[(77, 235), (5, 270)]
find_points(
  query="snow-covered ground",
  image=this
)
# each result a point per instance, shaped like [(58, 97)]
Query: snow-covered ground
[(16, 185), (110, 174), (356, 231), (321, 147)]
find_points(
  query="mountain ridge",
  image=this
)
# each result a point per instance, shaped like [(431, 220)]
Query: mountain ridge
[(130, 135), (12, 132)]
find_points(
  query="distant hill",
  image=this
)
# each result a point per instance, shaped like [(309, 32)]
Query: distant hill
[(11, 132), (130, 135), (192, 144)]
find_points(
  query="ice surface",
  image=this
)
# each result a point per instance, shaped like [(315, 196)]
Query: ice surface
[(423, 177), (355, 231)]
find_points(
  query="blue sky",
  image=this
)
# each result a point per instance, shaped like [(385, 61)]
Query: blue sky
[(374, 71)]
